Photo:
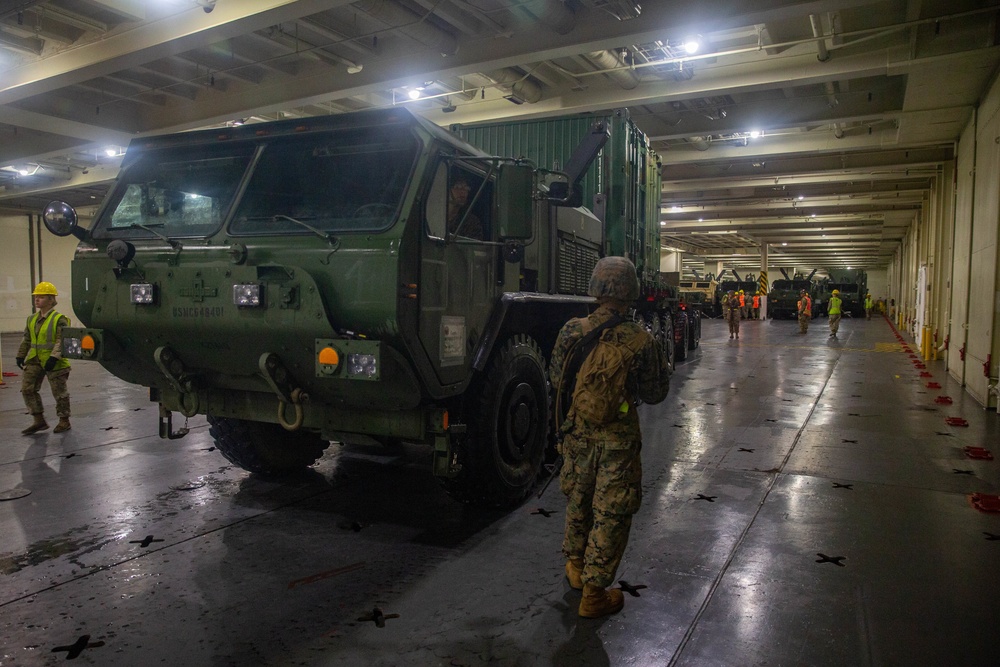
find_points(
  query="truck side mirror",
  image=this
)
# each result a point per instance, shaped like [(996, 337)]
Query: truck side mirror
[(61, 219), (515, 201)]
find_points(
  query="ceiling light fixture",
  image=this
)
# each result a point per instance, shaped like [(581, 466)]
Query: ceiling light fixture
[(691, 45), (414, 94)]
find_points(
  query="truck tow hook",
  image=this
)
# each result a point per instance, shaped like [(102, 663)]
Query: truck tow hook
[(167, 431), (281, 382), (298, 396)]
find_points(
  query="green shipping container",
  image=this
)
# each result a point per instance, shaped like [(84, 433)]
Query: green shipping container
[(622, 187)]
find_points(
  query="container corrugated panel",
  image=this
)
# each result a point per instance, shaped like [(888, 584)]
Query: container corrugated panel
[(547, 143), (626, 172)]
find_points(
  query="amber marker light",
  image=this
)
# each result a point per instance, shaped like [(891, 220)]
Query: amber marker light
[(329, 357), (88, 344)]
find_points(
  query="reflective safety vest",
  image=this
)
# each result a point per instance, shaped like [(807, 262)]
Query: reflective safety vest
[(43, 339), (834, 307), (805, 306), (742, 300), (868, 303), (756, 301)]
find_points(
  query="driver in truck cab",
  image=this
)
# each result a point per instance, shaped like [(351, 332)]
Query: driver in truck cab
[(461, 220)]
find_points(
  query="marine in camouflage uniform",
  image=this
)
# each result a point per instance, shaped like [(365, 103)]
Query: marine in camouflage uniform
[(731, 308), (40, 356), (602, 471)]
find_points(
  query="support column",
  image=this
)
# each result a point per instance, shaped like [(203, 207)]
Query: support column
[(763, 281)]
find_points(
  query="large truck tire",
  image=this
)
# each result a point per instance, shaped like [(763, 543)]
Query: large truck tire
[(507, 416), (264, 448), (681, 348), (667, 331)]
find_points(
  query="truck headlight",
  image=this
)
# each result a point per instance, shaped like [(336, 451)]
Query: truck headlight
[(246, 296), (364, 365), (82, 347), (71, 348), (143, 293)]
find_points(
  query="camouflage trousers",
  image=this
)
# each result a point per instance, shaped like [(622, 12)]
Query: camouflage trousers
[(603, 486), (834, 322), (804, 322), (31, 382), (734, 321)]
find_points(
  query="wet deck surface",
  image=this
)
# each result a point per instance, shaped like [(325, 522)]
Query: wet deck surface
[(805, 503)]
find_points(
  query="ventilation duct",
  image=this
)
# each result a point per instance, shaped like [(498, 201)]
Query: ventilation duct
[(552, 14), (615, 67), (518, 87)]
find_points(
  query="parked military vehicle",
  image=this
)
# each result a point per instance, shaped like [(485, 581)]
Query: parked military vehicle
[(615, 191), (702, 295), (853, 284), (364, 274), (783, 299)]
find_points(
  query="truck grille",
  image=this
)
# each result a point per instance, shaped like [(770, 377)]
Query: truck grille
[(576, 263)]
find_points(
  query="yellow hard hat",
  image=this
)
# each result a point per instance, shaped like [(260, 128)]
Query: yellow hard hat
[(45, 289), (836, 291)]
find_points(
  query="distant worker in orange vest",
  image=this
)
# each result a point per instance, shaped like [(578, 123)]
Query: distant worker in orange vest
[(805, 311), (743, 306), (756, 306)]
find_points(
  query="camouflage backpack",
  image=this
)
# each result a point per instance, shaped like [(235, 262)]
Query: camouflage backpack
[(600, 396)]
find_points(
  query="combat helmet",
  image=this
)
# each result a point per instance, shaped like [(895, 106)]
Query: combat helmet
[(614, 278)]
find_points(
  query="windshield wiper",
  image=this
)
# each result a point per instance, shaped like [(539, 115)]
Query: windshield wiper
[(330, 238), (176, 245)]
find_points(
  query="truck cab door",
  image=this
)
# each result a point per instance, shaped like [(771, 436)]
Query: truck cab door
[(458, 268)]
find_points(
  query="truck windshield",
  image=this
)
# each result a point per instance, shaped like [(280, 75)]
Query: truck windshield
[(342, 182), (179, 193)]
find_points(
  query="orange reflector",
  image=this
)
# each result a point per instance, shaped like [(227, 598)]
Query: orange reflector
[(444, 420), (87, 343), (329, 356)]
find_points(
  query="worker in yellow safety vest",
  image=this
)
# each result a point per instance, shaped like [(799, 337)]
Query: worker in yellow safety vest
[(869, 304), (834, 311), (40, 356)]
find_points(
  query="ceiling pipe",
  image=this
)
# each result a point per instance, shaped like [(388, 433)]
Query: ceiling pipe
[(614, 65), (410, 24), (551, 13), (700, 143), (516, 84), (822, 54)]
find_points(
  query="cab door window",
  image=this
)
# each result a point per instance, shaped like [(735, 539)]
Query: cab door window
[(460, 204)]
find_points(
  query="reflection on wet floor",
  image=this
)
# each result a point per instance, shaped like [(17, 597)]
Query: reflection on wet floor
[(805, 502)]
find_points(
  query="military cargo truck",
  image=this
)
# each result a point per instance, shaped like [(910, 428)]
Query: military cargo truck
[(853, 284), (616, 191), (783, 299), (364, 274)]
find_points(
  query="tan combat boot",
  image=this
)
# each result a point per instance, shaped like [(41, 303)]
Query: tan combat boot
[(574, 573), (599, 601), (63, 425), (39, 425)]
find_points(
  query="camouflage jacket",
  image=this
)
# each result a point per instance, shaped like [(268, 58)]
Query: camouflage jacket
[(648, 379)]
